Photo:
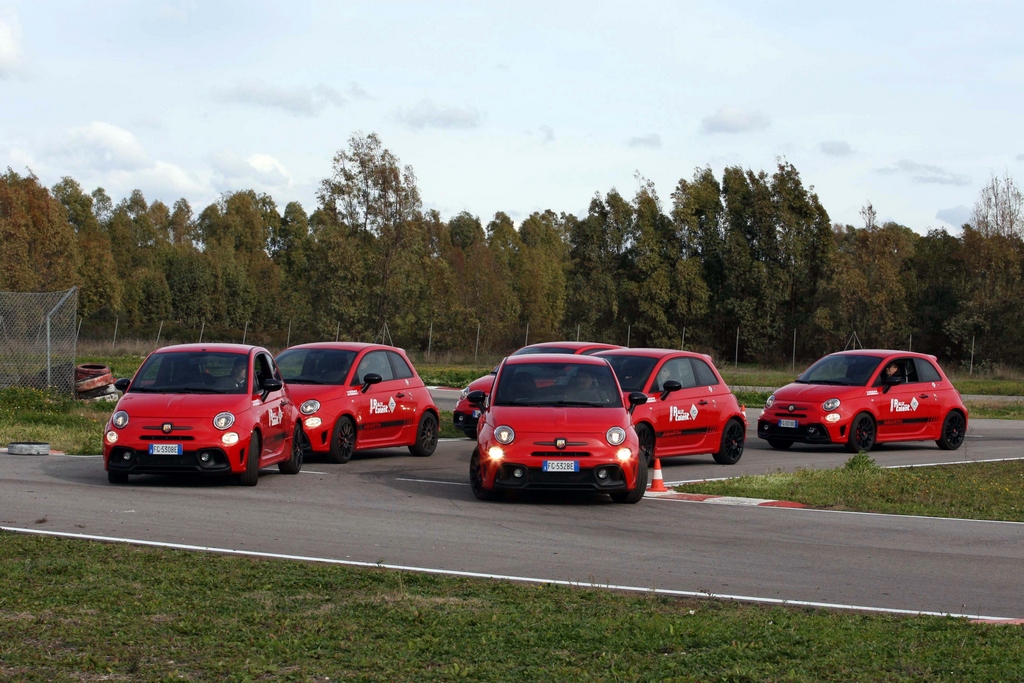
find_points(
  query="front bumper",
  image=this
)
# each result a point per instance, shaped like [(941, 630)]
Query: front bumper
[(131, 460), (466, 420), (809, 429), (535, 478)]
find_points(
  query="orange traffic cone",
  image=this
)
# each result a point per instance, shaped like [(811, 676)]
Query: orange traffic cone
[(657, 484)]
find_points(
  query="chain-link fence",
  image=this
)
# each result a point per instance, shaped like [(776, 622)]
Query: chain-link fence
[(38, 338)]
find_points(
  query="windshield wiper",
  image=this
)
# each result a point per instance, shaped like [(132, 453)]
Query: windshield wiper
[(188, 390), (305, 380)]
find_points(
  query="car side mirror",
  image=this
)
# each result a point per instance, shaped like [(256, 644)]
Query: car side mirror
[(668, 387), (122, 385), (271, 385), (369, 379), (890, 382), (636, 398), (477, 398)]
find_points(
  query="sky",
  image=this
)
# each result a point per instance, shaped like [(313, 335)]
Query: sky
[(519, 107)]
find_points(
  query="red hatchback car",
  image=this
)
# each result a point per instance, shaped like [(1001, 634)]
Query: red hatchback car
[(355, 397), (690, 410), (466, 415), (864, 397), (212, 409), (556, 422)]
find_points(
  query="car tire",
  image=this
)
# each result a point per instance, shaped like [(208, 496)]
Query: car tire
[(954, 431), (251, 476), (731, 448), (645, 437), (636, 494), (117, 477), (426, 436), (863, 431), (293, 465), (476, 479), (780, 444), (343, 441)]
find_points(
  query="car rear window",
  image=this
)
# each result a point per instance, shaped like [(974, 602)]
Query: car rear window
[(926, 372), (557, 384), (315, 366)]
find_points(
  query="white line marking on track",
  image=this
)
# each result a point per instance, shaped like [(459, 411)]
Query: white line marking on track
[(434, 481), (312, 472), (456, 438), (500, 577), (952, 462)]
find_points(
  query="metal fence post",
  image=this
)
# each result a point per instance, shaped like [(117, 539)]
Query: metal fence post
[(201, 330), (527, 341), (736, 361), (477, 351), (49, 346), (794, 349), (682, 340), (430, 339), (629, 330), (117, 321), (577, 331), (337, 332), (972, 355), (158, 332), (245, 331), (289, 342)]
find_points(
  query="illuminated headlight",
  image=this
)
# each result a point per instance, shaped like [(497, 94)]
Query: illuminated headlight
[(495, 453), (120, 419), (464, 394), (312, 422), (624, 454), (615, 435), (504, 435), (833, 417), (223, 420), (309, 407), (229, 439), (830, 404), (111, 436), (770, 402)]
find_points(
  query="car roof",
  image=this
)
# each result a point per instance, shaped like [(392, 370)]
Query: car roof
[(554, 358), (883, 353), (652, 353), (212, 348), (345, 346), (577, 345)]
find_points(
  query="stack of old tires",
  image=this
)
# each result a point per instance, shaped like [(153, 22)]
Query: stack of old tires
[(94, 383)]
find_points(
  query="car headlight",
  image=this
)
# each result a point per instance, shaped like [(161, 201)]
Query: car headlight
[(770, 402), (111, 436), (464, 394), (504, 435), (624, 454), (223, 420), (120, 419), (495, 453), (309, 407), (229, 439), (830, 404), (313, 422), (615, 435)]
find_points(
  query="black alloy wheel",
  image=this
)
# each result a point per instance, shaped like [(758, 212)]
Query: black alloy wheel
[(954, 431), (343, 441), (780, 444), (251, 476), (426, 436), (862, 434), (476, 479), (293, 465), (635, 495), (645, 435), (732, 443)]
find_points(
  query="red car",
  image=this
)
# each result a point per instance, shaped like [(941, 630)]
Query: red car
[(556, 422), (864, 397), (212, 409), (466, 415), (355, 397), (690, 410)]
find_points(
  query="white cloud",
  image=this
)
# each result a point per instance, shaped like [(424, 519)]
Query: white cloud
[(297, 100), (651, 140), (99, 146), (257, 171), (925, 173), (955, 216), (1020, 157), (547, 134), (10, 46), (161, 180), (836, 148), (426, 114), (729, 120), (357, 92)]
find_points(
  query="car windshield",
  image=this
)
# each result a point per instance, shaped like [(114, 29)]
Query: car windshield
[(529, 350), (841, 369), (193, 372), (557, 384), (632, 371), (315, 366)]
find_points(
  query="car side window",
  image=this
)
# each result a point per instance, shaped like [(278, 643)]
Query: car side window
[(903, 368), (264, 371), (678, 369), (926, 372), (374, 362), (705, 376), (400, 367)]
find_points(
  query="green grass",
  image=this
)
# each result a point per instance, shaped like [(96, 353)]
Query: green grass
[(990, 490), (752, 399), (448, 430), (67, 425), (989, 387), (450, 376), (996, 410), (81, 610)]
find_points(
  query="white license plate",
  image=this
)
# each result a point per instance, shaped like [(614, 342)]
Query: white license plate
[(476, 413), (561, 466), (165, 449), (788, 424)]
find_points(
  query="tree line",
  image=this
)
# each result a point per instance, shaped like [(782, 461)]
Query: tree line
[(750, 251)]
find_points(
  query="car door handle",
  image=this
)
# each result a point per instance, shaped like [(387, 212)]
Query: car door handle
[(924, 395), (400, 394), (702, 402)]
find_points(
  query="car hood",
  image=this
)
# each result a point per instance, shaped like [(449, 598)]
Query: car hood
[(559, 421), (483, 384), (815, 392), (321, 392), (166, 406)]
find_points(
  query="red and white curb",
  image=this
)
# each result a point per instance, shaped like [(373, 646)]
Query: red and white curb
[(723, 500)]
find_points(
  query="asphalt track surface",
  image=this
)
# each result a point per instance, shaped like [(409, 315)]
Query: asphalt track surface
[(392, 508)]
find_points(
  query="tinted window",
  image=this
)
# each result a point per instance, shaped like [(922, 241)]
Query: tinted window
[(705, 376), (632, 371), (678, 369), (400, 367), (264, 370), (374, 362), (180, 372), (926, 372), (527, 350), (843, 370), (902, 368), (315, 366), (555, 384)]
